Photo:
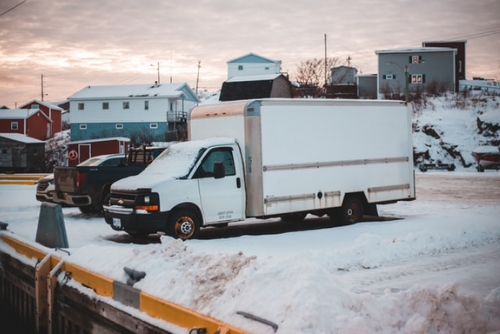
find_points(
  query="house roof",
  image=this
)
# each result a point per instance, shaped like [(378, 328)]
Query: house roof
[(252, 58), (415, 50), (21, 138), (263, 77), (173, 90), (20, 113), (43, 103), (100, 140)]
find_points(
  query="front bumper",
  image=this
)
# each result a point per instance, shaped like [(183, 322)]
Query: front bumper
[(120, 218)]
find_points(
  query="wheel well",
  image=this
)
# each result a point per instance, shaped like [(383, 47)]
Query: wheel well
[(359, 195), (191, 207)]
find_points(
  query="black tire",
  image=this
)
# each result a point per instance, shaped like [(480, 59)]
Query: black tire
[(87, 209), (294, 217), (352, 210), (106, 197), (183, 224)]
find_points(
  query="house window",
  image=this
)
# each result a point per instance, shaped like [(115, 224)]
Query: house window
[(118, 126), (81, 106), (105, 105), (389, 76), (146, 105), (35, 106), (126, 105), (153, 125), (35, 151), (240, 67), (83, 126), (417, 78), (14, 126), (415, 59)]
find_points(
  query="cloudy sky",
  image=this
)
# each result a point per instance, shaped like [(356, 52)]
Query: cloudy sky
[(75, 43)]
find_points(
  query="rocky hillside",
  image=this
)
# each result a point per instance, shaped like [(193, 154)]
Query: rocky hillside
[(448, 128)]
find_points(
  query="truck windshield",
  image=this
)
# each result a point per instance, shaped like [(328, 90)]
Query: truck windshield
[(176, 161)]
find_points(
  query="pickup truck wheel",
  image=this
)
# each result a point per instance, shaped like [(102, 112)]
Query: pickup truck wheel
[(352, 210), (184, 224), (87, 209)]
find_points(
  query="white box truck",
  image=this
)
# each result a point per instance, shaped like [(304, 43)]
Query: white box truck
[(272, 158)]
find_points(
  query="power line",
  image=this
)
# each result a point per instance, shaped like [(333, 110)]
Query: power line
[(8, 10)]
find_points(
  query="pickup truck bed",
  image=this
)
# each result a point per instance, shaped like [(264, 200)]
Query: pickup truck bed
[(87, 185)]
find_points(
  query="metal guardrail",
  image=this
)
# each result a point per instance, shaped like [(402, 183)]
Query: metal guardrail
[(32, 297)]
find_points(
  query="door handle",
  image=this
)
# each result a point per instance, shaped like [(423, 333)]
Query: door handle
[(238, 183)]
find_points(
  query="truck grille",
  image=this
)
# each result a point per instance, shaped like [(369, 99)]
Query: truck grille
[(42, 185)]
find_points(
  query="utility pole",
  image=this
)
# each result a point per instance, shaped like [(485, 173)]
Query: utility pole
[(198, 76), (41, 80), (326, 64)]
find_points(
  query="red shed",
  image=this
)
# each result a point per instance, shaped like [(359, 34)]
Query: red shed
[(79, 151)]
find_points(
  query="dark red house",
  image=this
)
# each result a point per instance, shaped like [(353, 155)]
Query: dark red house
[(53, 112), (30, 122)]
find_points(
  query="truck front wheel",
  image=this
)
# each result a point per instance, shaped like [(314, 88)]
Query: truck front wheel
[(183, 224)]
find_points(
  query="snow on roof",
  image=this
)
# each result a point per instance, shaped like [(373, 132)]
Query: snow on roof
[(254, 77), (43, 103), (418, 49), (17, 113), (100, 139), (121, 91), (175, 162), (20, 138)]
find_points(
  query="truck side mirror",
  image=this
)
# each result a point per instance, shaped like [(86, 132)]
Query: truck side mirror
[(219, 170)]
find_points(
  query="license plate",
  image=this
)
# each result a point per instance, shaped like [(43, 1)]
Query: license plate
[(117, 222)]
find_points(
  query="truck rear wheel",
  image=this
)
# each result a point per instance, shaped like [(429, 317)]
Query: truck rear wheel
[(183, 224), (352, 210)]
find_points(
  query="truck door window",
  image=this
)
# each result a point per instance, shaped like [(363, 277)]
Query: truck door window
[(206, 169)]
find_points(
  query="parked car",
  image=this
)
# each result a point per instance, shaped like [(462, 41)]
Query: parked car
[(45, 189)]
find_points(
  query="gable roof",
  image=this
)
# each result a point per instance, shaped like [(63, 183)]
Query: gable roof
[(173, 90), (263, 77), (21, 138), (21, 114), (252, 58), (43, 103), (412, 50)]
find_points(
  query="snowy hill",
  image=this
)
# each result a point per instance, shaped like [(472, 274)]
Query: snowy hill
[(448, 128)]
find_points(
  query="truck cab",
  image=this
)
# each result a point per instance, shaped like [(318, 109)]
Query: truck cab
[(192, 184)]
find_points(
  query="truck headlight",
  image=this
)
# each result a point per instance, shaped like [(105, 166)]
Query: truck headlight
[(147, 199)]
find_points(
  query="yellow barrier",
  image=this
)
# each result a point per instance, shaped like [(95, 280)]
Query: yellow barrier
[(34, 177), (153, 306), (20, 182)]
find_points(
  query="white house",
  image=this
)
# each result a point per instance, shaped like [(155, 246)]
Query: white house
[(130, 110), (252, 64)]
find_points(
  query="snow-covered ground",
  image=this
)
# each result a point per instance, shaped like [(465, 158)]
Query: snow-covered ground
[(431, 265)]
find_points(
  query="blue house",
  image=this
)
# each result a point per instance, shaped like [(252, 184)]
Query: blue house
[(143, 113)]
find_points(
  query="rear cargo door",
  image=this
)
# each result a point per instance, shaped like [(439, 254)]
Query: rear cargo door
[(222, 199)]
